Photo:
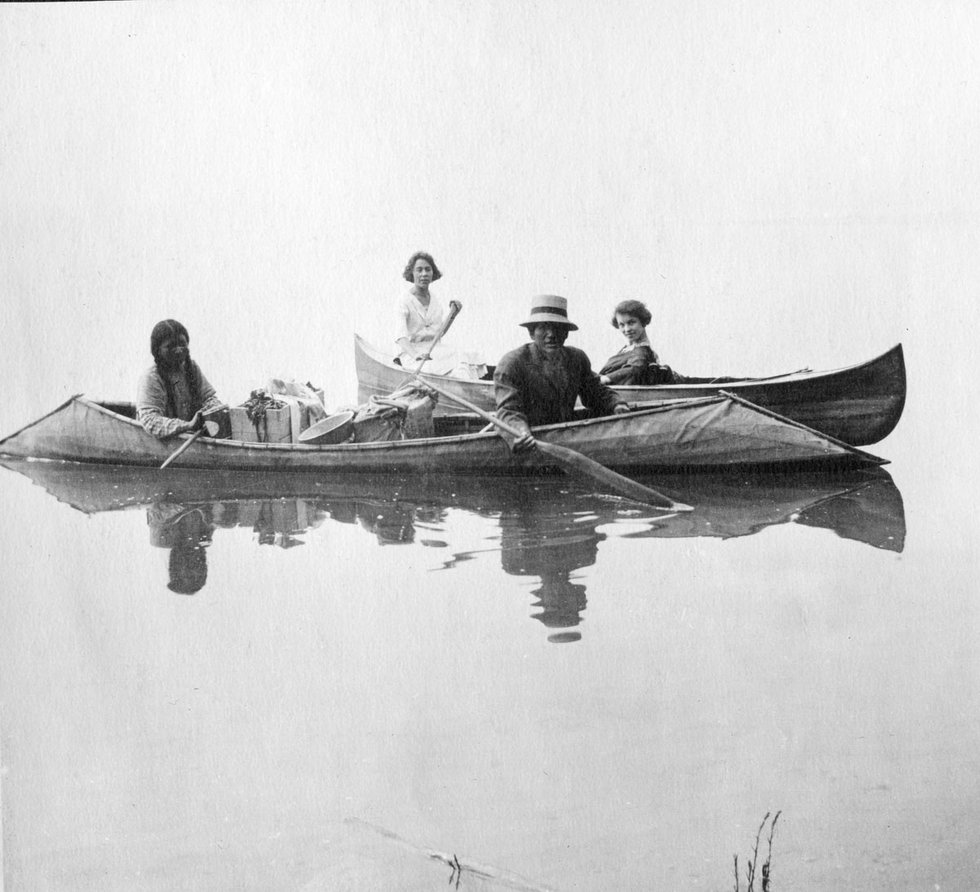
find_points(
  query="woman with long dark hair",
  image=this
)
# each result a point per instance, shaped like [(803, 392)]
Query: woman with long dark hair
[(173, 395)]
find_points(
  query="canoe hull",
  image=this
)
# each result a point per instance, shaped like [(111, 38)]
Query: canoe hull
[(716, 432), (860, 404)]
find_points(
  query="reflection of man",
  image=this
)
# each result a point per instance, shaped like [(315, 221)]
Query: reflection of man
[(539, 540), (392, 523), (186, 532), (562, 602), (540, 382)]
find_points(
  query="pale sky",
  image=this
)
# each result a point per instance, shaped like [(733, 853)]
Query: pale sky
[(785, 184)]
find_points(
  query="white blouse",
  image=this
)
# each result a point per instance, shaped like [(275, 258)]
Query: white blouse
[(418, 324)]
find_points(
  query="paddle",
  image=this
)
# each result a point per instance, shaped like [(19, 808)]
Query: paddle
[(575, 462), (183, 447), (209, 427), (454, 307)]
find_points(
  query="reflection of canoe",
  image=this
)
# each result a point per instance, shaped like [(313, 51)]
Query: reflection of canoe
[(860, 404), (714, 432), (862, 505)]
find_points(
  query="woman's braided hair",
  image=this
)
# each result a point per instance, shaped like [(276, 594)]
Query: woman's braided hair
[(171, 328)]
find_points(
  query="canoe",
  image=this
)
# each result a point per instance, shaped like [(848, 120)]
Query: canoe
[(861, 504), (715, 432), (860, 404)]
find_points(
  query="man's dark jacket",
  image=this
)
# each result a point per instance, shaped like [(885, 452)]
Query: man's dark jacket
[(531, 390)]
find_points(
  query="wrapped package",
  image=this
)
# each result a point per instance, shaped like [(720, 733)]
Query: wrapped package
[(305, 404), (261, 419)]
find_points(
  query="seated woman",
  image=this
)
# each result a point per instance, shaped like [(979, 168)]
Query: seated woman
[(173, 395), (636, 363), (420, 316)]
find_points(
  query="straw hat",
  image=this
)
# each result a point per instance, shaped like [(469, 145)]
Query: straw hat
[(549, 308)]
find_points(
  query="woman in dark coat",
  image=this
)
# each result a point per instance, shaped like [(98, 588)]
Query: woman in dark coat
[(637, 362)]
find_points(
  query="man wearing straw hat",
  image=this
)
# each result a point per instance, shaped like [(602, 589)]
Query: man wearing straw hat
[(539, 382)]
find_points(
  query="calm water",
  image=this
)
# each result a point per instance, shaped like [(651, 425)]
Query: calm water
[(279, 683), (268, 685)]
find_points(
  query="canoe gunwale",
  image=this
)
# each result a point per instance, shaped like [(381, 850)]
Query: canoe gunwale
[(796, 377), (385, 445), (372, 352)]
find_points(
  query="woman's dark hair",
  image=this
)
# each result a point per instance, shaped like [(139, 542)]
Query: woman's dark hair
[(420, 255), (171, 328), (632, 308), (188, 569)]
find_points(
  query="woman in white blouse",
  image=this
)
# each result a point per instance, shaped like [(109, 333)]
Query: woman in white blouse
[(420, 316)]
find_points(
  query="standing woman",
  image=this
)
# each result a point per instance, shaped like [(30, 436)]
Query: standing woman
[(173, 395), (420, 316)]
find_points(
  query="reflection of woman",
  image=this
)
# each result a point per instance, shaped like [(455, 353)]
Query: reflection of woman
[(186, 532), (173, 394), (636, 363), (420, 316)]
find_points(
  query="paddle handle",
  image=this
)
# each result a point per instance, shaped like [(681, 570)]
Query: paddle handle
[(483, 413), (182, 448), (454, 307)]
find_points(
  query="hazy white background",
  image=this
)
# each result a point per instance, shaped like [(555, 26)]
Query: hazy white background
[(785, 184)]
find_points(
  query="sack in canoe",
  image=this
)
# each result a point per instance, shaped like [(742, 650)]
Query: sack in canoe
[(405, 414)]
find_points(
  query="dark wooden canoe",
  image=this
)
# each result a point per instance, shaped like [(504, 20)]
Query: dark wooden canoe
[(860, 404), (716, 432)]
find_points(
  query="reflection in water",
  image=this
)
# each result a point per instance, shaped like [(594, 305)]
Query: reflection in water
[(547, 530), (539, 538), (186, 532), (393, 524)]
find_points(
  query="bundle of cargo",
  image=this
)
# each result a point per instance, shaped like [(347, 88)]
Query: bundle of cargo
[(405, 414), (278, 413), (305, 402), (261, 419)]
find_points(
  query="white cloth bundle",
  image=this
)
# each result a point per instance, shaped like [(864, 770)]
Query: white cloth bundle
[(305, 404)]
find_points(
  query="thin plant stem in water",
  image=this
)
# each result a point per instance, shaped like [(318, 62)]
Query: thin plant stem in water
[(750, 870), (767, 867)]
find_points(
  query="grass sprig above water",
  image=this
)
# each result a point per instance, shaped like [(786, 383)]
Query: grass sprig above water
[(750, 870)]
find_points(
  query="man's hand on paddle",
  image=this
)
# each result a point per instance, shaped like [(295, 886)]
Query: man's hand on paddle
[(524, 443), (621, 409)]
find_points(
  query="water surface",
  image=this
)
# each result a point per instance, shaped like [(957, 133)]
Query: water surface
[(277, 681)]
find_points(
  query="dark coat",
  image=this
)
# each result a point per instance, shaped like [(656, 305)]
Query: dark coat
[(641, 366), (632, 367), (532, 391)]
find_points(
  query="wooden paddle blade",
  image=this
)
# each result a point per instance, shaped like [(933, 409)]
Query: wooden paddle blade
[(624, 486)]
